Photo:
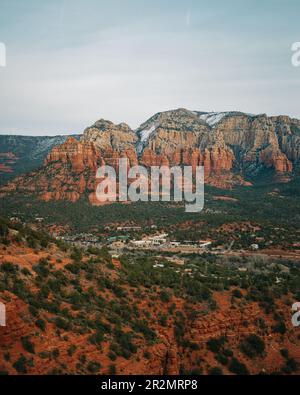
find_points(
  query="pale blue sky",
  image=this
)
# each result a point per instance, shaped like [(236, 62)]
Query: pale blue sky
[(71, 62)]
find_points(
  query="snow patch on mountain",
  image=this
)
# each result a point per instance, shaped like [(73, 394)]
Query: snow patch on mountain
[(144, 136), (146, 133), (212, 118)]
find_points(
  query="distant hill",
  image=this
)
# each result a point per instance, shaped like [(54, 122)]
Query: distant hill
[(20, 154)]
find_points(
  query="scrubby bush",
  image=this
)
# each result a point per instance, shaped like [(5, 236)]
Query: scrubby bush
[(8, 267), (215, 371), (61, 323), (196, 372), (252, 346), (238, 368), (215, 345), (20, 365), (165, 296), (280, 327), (71, 350), (40, 323), (93, 367), (290, 366), (237, 293), (27, 344)]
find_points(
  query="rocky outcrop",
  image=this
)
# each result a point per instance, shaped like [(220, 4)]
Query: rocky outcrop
[(276, 159), (81, 155), (181, 138), (221, 141), (261, 140), (106, 136)]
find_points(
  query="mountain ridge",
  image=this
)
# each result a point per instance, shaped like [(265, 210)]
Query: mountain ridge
[(232, 146)]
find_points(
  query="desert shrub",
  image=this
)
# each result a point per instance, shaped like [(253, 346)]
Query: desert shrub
[(93, 250), (26, 271), (215, 371), (61, 323), (179, 330), (44, 355), (290, 366), (97, 337), (55, 353), (27, 344), (20, 365), (196, 372), (147, 355), (74, 268), (40, 323), (220, 357), (32, 243), (126, 347), (252, 346), (172, 308), (280, 327), (8, 267), (93, 367), (237, 293), (33, 311), (193, 346), (6, 356), (165, 296), (71, 350), (215, 345), (3, 230), (44, 243), (112, 356), (142, 327), (284, 352), (227, 352), (76, 255), (163, 320), (238, 368), (82, 359), (42, 268), (119, 291)]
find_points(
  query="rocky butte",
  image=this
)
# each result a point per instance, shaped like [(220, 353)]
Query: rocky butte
[(233, 147)]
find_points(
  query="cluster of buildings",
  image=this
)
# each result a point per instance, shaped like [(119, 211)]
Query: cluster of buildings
[(162, 241), (149, 241), (82, 240), (117, 243)]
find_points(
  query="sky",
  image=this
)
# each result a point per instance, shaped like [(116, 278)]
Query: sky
[(72, 62)]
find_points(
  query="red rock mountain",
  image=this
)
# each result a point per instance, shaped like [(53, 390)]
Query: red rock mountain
[(230, 145)]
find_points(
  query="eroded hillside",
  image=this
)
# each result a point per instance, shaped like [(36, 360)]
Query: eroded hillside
[(74, 312)]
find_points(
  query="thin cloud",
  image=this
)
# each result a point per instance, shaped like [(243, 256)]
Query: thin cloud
[(73, 71)]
